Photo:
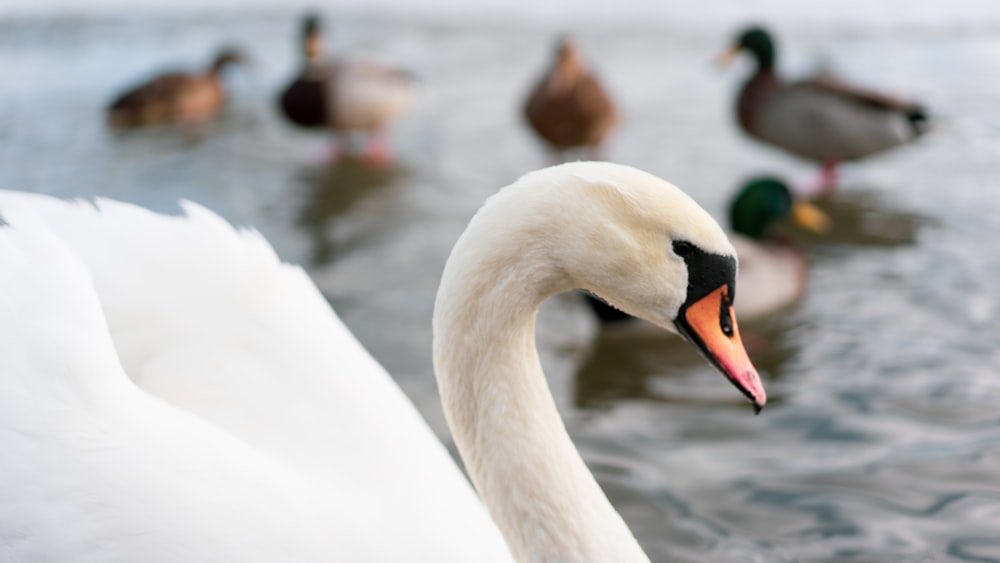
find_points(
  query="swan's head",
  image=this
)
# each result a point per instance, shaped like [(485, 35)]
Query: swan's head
[(645, 247)]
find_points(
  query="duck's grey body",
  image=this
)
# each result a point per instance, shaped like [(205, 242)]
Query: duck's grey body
[(825, 120)]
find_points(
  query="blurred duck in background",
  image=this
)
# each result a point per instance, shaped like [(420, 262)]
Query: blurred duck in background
[(822, 118), (568, 107), (773, 271), (346, 97), (175, 97)]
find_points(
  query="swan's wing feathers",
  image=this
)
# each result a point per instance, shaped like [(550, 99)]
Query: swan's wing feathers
[(95, 471), (199, 309), (206, 317), (46, 295)]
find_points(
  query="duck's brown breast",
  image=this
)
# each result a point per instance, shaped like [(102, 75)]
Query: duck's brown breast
[(581, 114), (752, 98)]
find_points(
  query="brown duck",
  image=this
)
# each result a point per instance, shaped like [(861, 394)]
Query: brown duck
[(174, 97), (568, 107), (346, 97), (820, 119)]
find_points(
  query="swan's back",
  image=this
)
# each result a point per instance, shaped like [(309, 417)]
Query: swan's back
[(46, 295), (299, 421), (95, 470), (207, 318)]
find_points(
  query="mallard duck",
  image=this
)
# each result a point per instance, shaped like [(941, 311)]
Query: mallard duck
[(773, 271), (568, 107), (821, 119), (345, 96), (175, 97), (173, 393)]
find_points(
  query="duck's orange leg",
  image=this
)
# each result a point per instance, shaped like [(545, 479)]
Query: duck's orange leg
[(378, 152), (828, 178)]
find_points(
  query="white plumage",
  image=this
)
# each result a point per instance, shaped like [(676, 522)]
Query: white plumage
[(171, 392), (278, 437)]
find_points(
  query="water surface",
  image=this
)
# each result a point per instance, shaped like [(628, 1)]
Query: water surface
[(882, 439)]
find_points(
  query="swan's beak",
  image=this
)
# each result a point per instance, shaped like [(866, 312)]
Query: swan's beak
[(709, 324), (726, 57)]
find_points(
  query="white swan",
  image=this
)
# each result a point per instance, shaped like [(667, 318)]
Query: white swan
[(255, 428)]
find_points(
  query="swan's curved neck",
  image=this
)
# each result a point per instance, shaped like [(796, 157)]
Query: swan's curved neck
[(502, 415)]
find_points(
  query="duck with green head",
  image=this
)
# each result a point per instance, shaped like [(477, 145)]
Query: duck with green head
[(822, 119), (345, 97), (772, 270)]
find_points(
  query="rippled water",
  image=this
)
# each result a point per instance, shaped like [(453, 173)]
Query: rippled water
[(882, 441)]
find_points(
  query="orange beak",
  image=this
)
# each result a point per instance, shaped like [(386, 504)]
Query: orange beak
[(710, 325)]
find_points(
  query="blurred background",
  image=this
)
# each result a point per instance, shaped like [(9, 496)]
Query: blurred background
[(881, 441)]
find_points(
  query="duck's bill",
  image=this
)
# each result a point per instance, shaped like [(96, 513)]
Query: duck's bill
[(810, 217), (710, 324), (726, 57)]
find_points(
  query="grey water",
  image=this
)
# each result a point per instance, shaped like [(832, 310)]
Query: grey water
[(882, 439)]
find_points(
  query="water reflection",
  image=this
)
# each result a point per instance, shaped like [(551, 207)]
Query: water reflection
[(332, 191), (890, 356), (823, 510), (862, 217), (166, 138), (633, 364)]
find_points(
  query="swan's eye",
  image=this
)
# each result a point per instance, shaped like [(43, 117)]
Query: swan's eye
[(726, 318), (683, 248)]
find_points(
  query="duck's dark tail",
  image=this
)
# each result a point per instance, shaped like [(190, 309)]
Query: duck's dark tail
[(920, 122)]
